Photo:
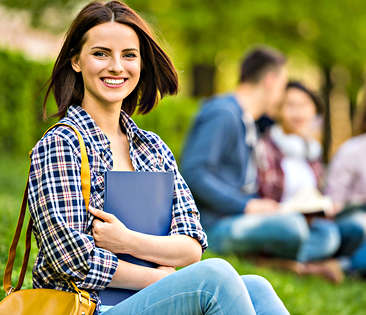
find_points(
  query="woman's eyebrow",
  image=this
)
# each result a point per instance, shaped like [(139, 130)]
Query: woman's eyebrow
[(130, 49), (109, 50)]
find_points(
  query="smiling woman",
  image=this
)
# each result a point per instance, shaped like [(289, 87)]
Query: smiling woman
[(110, 64), (109, 67)]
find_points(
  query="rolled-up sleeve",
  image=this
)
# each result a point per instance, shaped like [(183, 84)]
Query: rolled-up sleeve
[(186, 217), (60, 218)]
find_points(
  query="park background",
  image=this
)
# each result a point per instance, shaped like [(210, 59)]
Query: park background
[(325, 42)]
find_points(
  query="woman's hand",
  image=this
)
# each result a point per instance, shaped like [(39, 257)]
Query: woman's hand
[(109, 232)]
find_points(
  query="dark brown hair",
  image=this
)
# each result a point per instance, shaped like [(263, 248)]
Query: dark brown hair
[(158, 75), (258, 62), (314, 97)]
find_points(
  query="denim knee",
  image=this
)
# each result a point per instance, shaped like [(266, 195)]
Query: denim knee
[(217, 272), (215, 266), (330, 236), (295, 230), (257, 283), (220, 289)]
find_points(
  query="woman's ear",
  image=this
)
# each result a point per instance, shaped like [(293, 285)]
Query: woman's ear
[(75, 63)]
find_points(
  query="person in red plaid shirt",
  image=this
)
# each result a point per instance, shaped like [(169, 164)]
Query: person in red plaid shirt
[(289, 160)]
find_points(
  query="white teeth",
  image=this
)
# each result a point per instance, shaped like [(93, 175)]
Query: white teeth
[(113, 81)]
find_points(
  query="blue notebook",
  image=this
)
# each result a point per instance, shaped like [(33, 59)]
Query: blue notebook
[(143, 202)]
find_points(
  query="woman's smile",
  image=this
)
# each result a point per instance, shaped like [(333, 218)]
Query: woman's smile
[(113, 82)]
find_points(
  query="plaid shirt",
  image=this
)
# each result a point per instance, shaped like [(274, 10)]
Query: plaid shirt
[(63, 227), (270, 174)]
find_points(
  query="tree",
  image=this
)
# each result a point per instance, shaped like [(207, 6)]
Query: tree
[(331, 33)]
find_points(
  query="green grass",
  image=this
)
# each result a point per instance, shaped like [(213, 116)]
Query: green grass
[(302, 296)]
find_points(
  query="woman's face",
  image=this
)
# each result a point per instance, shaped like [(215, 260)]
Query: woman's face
[(110, 63), (298, 113)]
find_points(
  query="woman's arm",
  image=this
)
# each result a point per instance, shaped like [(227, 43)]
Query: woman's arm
[(172, 250), (135, 277), (58, 211)]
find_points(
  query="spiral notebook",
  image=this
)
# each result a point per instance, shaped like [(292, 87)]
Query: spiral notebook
[(143, 202)]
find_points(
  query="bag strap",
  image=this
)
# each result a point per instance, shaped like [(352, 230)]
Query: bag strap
[(85, 187)]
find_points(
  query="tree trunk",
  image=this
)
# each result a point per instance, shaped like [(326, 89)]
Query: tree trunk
[(327, 130), (203, 80)]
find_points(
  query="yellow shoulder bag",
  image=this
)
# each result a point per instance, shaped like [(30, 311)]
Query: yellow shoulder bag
[(45, 301)]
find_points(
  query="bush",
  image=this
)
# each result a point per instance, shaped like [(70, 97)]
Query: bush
[(20, 102)]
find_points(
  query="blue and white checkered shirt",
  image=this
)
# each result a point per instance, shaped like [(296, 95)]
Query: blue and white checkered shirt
[(63, 227)]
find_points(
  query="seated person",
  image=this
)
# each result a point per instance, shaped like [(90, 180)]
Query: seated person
[(346, 185), (289, 163)]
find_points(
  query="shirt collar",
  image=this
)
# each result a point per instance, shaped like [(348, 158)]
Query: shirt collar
[(85, 122), (131, 128), (251, 136)]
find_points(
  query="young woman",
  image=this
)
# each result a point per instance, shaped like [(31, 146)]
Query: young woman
[(110, 66), (289, 160)]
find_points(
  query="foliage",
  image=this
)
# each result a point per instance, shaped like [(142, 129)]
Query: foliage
[(212, 32), (39, 7), (328, 32), (302, 296), (20, 102)]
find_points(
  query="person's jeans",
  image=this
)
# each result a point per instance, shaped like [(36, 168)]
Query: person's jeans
[(352, 252), (211, 286), (281, 235), (358, 260), (352, 228)]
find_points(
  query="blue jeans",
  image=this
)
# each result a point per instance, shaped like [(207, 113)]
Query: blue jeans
[(352, 228), (282, 235), (211, 286), (352, 252), (358, 260)]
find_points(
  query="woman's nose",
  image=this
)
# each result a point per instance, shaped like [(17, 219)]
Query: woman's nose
[(116, 65)]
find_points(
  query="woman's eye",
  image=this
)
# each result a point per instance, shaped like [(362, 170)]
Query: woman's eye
[(100, 54), (130, 55)]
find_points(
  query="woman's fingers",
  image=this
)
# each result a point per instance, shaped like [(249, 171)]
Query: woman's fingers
[(105, 216), (95, 224)]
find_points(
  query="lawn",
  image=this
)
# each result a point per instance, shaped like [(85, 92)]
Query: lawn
[(302, 296)]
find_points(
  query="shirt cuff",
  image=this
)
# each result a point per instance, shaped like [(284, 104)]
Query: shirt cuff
[(103, 264)]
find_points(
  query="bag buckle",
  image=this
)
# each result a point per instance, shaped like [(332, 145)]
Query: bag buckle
[(11, 290), (81, 298)]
